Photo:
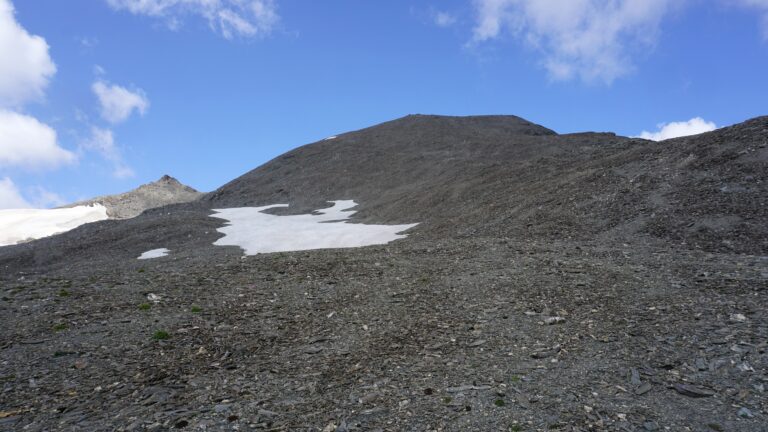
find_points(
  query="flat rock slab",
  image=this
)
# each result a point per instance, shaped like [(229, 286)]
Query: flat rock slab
[(693, 391)]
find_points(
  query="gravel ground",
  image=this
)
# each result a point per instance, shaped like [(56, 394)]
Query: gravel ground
[(483, 334), (574, 282)]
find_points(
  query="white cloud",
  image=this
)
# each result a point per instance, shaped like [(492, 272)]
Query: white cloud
[(246, 18), (118, 103), (444, 19), (25, 71), (589, 39), (27, 143), (10, 197), (102, 141), (693, 126), (26, 66)]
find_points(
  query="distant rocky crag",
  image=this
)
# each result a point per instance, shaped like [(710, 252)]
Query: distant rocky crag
[(166, 190)]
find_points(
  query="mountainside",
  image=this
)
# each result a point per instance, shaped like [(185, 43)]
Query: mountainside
[(166, 190), (502, 176), (494, 176), (534, 281)]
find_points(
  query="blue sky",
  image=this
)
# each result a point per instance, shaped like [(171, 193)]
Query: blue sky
[(99, 96)]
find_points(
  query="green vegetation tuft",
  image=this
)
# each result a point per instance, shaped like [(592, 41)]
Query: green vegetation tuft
[(145, 306), (196, 309), (161, 335), (59, 327), (64, 293), (499, 402)]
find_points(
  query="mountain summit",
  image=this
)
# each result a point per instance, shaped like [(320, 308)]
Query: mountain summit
[(164, 191)]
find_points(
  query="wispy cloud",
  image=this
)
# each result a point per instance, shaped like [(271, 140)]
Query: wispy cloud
[(762, 7), (671, 130), (10, 197), (593, 40), (444, 19), (230, 18), (43, 198), (118, 103), (102, 141)]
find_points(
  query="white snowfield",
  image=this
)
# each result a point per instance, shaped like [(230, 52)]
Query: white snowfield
[(258, 232), (20, 225), (154, 253)]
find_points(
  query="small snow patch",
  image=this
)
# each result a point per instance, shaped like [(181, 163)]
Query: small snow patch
[(154, 253), (259, 232), (330, 138)]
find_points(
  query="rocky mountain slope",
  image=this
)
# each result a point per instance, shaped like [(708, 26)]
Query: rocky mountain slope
[(166, 190), (572, 282), (502, 176)]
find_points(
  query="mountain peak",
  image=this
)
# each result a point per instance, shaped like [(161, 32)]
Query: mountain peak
[(166, 190), (510, 124)]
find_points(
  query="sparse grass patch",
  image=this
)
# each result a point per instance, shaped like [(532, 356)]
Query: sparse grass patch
[(499, 402), (161, 335), (59, 327), (145, 306), (141, 270), (515, 428), (515, 378), (64, 293), (196, 309), (447, 400)]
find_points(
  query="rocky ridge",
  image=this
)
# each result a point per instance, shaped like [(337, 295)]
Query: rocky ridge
[(164, 191)]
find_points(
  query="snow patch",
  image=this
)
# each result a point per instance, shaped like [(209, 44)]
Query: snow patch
[(154, 253), (259, 232), (330, 138), (20, 225)]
